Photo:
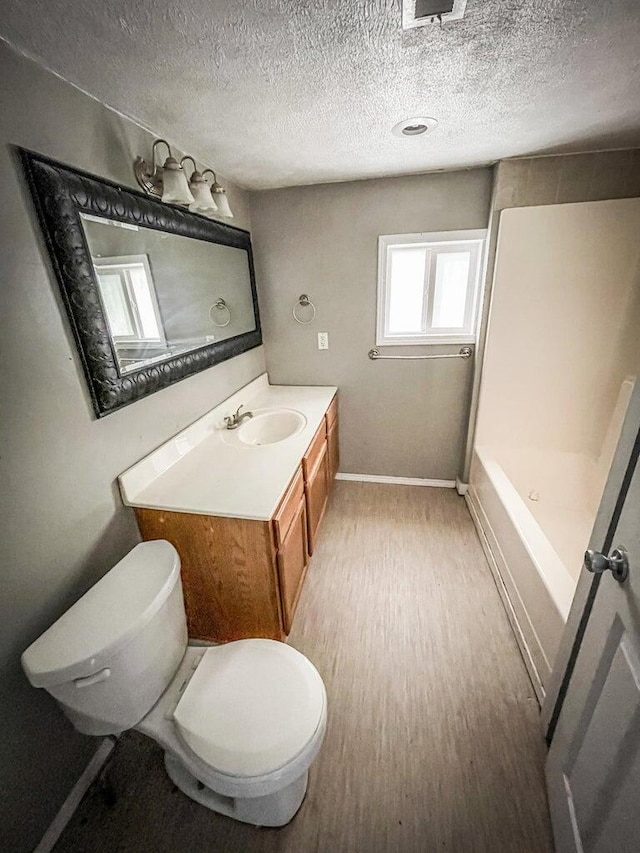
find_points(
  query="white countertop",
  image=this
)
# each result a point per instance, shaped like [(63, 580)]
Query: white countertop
[(197, 471)]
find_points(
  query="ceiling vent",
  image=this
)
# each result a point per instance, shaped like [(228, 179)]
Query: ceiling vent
[(420, 13)]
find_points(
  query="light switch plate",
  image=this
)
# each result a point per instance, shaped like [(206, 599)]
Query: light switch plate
[(323, 340)]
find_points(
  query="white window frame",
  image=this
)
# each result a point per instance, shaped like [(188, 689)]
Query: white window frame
[(119, 265), (441, 241)]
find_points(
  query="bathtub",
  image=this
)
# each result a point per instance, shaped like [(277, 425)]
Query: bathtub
[(533, 540), (534, 510)]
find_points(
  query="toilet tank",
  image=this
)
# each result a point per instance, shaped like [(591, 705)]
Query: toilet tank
[(108, 659)]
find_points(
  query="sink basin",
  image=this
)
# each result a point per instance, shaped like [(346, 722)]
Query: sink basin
[(268, 426)]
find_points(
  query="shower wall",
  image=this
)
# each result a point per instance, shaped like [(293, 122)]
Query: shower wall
[(561, 358), (563, 331)]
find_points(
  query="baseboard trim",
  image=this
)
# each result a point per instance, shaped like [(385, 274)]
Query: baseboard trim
[(397, 481), (461, 488), (90, 773)]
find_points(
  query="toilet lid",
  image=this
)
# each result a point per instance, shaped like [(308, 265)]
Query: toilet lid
[(251, 706)]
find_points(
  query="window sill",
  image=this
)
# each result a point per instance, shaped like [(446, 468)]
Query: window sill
[(432, 340)]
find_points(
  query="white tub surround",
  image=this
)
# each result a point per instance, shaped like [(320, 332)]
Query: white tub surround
[(535, 510), (535, 584), (204, 470), (551, 404)]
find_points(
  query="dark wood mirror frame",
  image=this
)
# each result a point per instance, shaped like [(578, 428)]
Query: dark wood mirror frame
[(60, 194)]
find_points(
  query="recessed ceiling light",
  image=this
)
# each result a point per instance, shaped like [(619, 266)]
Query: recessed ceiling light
[(416, 126)]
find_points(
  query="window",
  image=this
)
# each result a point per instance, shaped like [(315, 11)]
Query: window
[(428, 286), (129, 298)]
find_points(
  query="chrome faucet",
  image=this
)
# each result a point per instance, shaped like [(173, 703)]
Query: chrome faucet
[(234, 421)]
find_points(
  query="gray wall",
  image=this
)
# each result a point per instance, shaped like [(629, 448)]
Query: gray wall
[(63, 524), (396, 418)]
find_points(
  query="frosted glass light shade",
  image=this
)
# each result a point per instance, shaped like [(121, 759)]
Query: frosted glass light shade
[(222, 202), (203, 201), (175, 189)]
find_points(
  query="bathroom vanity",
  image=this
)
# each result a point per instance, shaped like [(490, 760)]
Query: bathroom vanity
[(243, 506)]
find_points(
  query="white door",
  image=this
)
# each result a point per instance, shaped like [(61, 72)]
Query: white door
[(593, 765)]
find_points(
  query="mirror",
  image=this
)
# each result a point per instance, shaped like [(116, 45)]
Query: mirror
[(164, 294), (153, 292)]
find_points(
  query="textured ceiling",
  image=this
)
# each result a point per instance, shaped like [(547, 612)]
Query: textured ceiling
[(284, 92)]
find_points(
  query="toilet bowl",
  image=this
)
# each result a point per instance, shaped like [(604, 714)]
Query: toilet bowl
[(239, 723)]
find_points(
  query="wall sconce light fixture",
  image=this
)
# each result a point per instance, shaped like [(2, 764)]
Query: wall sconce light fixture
[(169, 183), (220, 196), (203, 201)]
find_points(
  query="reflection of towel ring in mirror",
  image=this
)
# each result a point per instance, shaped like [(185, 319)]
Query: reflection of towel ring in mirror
[(304, 300), (220, 305)]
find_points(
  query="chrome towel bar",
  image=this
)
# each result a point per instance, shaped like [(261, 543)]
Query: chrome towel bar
[(464, 352)]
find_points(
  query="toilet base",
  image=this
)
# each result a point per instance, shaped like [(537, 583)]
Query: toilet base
[(275, 809)]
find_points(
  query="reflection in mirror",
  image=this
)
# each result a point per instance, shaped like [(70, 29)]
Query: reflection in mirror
[(164, 294)]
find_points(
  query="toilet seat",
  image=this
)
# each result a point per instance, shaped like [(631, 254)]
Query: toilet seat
[(251, 707)]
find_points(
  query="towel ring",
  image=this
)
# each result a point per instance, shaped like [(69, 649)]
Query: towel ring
[(304, 300), (220, 305)]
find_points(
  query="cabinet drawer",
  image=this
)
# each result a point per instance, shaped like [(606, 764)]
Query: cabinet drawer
[(332, 412), (314, 451), (288, 508)]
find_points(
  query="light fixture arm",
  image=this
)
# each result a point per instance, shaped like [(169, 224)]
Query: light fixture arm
[(153, 151), (149, 175), (189, 157)]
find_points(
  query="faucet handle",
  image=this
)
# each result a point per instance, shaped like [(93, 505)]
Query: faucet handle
[(232, 421)]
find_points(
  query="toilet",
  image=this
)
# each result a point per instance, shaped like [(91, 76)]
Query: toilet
[(239, 723)]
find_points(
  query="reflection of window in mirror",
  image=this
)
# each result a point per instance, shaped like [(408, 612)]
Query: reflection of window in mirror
[(129, 299)]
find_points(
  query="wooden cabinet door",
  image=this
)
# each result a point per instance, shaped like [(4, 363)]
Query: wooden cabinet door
[(228, 573), (288, 508), (333, 450), (292, 564), (316, 490), (314, 451)]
